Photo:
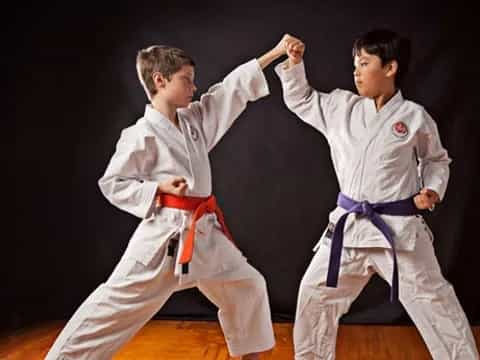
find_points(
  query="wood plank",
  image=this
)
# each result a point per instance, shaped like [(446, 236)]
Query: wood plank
[(203, 340)]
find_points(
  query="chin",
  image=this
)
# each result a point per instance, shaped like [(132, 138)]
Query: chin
[(360, 91), (184, 105), (365, 94)]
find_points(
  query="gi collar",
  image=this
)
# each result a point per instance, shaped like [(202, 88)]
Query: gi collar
[(157, 119), (395, 100)]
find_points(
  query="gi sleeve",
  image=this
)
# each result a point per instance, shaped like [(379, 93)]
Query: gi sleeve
[(307, 103), (126, 181), (433, 157), (218, 108)]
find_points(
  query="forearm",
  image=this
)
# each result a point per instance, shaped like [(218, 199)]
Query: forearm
[(435, 177), (289, 63), (130, 195), (123, 184), (267, 58)]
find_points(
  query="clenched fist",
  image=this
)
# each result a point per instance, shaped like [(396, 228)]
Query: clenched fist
[(176, 186), (426, 199), (295, 49), (288, 45)]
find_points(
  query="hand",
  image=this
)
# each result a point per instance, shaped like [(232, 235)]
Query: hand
[(176, 186), (295, 49), (426, 199), (281, 48)]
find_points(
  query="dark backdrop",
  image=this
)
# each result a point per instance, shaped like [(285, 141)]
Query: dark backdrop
[(71, 87)]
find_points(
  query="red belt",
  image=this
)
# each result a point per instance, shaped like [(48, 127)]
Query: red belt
[(199, 206)]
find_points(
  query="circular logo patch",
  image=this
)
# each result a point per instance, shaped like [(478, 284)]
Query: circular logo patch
[(400, 129)]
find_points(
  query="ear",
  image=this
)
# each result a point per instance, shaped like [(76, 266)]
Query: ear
[(159, 80), (391, 68)]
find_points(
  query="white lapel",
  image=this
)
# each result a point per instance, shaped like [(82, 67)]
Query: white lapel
[(188, 136), (162, 124), (381, 118)]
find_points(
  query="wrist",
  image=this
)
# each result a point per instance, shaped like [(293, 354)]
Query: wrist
[(158, 199), (276, 52), (292, 62), (160, 190)]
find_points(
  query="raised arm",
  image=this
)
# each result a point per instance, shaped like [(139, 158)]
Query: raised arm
[(221, 105), (307, 103)]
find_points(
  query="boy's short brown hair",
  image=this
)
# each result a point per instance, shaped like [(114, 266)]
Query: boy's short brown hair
[(164, 59)]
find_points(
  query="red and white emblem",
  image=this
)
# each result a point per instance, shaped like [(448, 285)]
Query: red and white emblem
[(400, 129)]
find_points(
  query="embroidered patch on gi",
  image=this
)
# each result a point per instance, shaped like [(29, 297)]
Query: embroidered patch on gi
[(400, 129), (194, 133)]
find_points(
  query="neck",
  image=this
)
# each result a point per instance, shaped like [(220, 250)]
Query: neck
[(166, 109), (383, 98)]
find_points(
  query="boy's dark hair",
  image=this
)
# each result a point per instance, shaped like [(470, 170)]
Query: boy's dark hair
[(388, 46), (164, 59)]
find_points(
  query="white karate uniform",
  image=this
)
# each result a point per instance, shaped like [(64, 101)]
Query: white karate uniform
[(381, 156), (148, 153)]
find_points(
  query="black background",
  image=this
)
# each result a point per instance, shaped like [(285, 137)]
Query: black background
[(71, 87)]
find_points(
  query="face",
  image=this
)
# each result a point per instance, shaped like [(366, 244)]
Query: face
[(371, 78), (179, 90)]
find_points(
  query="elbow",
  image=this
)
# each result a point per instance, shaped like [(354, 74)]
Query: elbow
[(297, 100), (107, 185), (293, 104)]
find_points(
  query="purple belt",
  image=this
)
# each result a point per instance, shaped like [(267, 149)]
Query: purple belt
[(404, 207)]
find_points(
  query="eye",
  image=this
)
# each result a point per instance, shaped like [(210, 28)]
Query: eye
[(363, 64)]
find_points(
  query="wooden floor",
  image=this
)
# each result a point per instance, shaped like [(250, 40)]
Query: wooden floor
[(202, 340)]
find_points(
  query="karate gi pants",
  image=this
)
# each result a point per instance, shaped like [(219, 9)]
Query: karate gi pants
[(428, 298), (135, 292)]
